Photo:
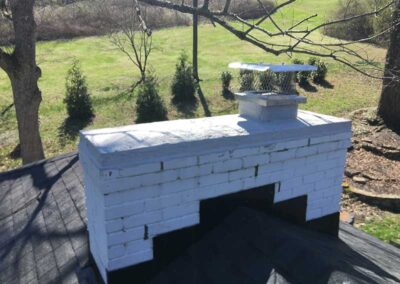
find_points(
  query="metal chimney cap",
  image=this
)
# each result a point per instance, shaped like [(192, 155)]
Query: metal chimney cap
[(276, 68)]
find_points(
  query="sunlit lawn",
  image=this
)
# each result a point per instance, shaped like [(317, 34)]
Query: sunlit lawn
[(109, 74)]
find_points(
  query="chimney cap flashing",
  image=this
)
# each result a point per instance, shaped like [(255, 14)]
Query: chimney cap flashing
[(270, 99)]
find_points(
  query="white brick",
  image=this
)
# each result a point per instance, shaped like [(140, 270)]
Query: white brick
[(190, 195), (227, 165), (125, 183), (241, 174), (282, 155), (319, 203), (116, 251), (344, 144), (213, 179), (329, 138), (328, 147), (316, 159), (173, 224), (338, 154), (260, 180), (132, 195), (313, 214), (138, 245), (268, 148), (291, 144), (162, 177), (228, 188), (289, 184), (306, 151), (294, 163), (305, 170), (142, 219), (140, 169), (180, 163), (283, 195), (177, 186), (124, 210), (180, 210), (163, 201), (125, 236), (238, 153), (129, 260), (302, 190), (336, 173), (114, 225), (209, 158), (310, 178), (271, 168), (208, 191), (251, 161), (195, 171), (329, 164), (106, 174), (333, 208)]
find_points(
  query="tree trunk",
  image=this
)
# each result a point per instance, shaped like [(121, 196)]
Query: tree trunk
[(27, 111), (24, 75), (195, 42), (389, 103)]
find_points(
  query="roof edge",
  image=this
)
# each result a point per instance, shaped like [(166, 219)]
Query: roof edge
[(36, 163)]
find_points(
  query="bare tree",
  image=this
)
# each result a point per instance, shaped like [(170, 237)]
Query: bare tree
[(19, 63), (129, 33), (287, 39), (389, 103)]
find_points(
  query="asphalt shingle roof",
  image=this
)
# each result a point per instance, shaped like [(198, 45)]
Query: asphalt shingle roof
[(43, 236), (43, 239)]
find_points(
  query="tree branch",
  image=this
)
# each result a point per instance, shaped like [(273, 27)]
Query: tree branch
[(338, 51)]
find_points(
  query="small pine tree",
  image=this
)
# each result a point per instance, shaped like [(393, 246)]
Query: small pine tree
[(183, 85), (246, 80), (77, 98), (226, 78), (149, 105), (319, 75), (302, 76)]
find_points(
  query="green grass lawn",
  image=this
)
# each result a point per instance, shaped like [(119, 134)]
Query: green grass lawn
[(386, 228), (109, 74)]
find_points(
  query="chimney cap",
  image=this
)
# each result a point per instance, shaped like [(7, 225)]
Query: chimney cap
[(276, 68)]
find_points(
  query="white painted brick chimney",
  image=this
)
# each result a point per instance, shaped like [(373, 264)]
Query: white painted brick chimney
[(148, 179)]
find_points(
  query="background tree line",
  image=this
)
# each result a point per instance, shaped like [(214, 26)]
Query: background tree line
[(19, 60)]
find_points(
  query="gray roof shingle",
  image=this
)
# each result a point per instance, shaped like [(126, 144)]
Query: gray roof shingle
[(43, 224), (43, 239)]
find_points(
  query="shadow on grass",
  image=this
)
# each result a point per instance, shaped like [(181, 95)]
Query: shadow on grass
[(15, 153), (306, 86), (70, 128), (203, 100), (325, 84), (187, 108), (228, 95), (122, 96)]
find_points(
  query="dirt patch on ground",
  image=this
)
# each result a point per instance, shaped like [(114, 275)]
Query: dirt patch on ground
[(373, 163), (360, 212)]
